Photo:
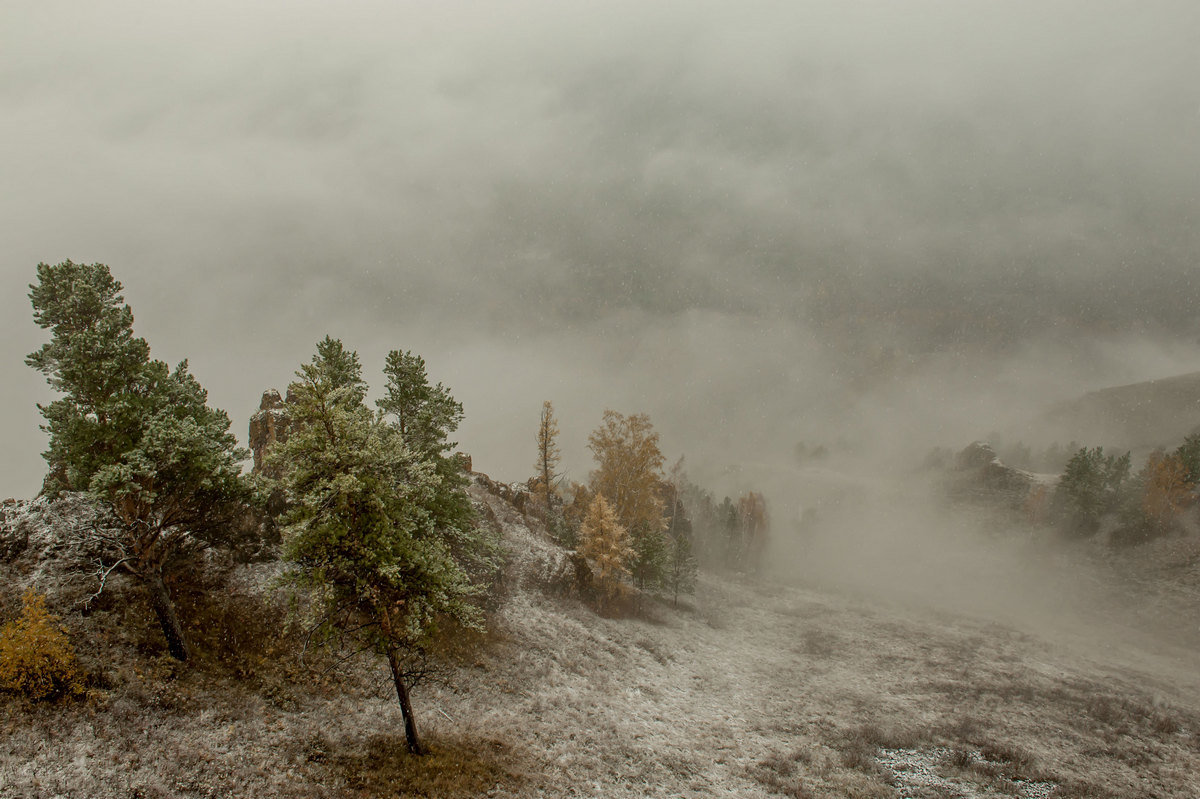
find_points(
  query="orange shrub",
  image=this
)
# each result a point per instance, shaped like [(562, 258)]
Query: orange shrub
[(36, 658)]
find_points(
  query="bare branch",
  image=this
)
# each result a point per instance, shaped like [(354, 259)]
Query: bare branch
[(104, 575)]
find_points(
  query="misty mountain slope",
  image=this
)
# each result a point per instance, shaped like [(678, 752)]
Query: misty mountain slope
[(1156, 413), (760, 690), (750, 689)]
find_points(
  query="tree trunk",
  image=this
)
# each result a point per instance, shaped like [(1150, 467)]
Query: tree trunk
[(410, 723), (164, 609)]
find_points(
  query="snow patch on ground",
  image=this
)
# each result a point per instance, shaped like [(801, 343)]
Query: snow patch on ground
[(916, 774)]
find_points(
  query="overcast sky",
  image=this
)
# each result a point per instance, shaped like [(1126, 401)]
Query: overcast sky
[(757, 221)]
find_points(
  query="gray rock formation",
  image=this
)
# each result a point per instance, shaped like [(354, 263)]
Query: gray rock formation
[(269, 424), (979, 475), (56, 545)]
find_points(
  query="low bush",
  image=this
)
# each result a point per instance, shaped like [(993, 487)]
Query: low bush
[(36, 657)]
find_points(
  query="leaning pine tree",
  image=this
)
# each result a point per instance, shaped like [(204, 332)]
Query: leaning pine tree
[(363, 529), (135, 434)]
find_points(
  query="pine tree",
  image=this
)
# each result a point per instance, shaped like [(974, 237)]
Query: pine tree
[(134, 434), (605, 542), (629, 469), (1189, 455), (708, 543), (682, 568), (364, 526), (425, 416), (341, 368), (1091, 486)]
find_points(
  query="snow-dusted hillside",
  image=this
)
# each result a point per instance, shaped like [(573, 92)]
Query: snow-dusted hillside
[(746, 690)]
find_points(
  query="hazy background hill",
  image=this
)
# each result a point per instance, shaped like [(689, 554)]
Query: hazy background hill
[(1140, 416)]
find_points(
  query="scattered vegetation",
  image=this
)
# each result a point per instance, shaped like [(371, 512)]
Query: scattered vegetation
[(1096, 493)]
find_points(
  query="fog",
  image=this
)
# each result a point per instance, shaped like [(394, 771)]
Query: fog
[(891, 225)]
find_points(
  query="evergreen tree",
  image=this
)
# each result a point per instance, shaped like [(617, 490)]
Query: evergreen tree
[(340, 368), (1091, 486), (364, 528), (708, 542), (133, 433), (425, 416), (1189, 456), (651, 556), (682, 568)]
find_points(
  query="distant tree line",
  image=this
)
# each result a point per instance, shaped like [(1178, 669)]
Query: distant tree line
[(1097, 488)]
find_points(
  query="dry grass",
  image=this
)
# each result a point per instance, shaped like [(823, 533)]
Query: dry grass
[(454, 767)]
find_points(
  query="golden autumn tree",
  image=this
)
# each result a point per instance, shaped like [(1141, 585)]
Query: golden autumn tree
[(546, 477), (604, 541), (628, 474), (36, 657), (1166, 489)]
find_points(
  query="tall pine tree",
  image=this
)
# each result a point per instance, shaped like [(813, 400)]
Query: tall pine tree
[(368, 527), (135, 434)]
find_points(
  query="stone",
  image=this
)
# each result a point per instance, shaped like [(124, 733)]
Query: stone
[(980, 476), (268, 425)]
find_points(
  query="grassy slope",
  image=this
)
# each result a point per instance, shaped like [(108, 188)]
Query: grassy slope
[(749, 690)]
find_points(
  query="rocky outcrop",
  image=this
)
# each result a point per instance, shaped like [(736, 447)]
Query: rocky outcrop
[(516, 494), (979, 475), (56, 544), (269, 424)]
